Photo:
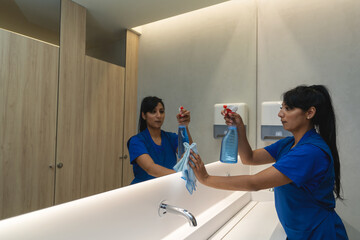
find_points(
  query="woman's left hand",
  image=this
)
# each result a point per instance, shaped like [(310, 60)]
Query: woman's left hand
[(198, 167), (183, 117), (232, 118)]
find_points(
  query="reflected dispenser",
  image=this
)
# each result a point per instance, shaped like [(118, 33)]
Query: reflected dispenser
[(271, 127), (220, 128)]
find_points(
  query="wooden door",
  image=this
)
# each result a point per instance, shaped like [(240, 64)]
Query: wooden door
[(28, 99), (103, 127), (131, 83)]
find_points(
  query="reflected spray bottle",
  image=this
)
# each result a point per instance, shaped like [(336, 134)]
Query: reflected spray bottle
[(229, 144), (182, 137)]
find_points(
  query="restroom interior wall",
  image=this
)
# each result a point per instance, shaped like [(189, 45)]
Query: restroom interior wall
[(317, 42), (196, 63), (199, 59)]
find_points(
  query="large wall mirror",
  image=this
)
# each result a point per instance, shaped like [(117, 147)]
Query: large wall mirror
[(194, 56), (199, 59)]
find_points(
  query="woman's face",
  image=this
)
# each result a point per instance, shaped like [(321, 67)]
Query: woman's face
[(155, 118), (292, 119)]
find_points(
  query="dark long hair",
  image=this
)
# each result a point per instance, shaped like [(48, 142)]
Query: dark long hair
[(304, 97), (147, 105)]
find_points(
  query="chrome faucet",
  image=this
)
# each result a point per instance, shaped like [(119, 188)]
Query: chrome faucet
[(164, 208)]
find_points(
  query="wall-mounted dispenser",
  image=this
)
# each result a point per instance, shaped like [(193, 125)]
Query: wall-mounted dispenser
[(271, 127), (220, 127)]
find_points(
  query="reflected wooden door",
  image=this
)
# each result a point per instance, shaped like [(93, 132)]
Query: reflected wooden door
[(131, 85), (28, 103), (71, 102), (103, 127)]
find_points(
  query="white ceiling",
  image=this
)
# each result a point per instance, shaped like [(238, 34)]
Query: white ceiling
[(113, 15), (107, 18)]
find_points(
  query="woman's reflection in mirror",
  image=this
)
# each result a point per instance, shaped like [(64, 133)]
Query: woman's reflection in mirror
[(153, 150)]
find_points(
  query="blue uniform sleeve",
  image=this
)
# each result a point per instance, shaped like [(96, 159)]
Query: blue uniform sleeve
[(304, 164), (273, 149), (136, 148)]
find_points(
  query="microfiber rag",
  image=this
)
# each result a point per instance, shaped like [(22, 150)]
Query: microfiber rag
[(187, 172)]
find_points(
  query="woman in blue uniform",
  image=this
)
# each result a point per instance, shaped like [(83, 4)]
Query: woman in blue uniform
[(306, 169), (153, 151)]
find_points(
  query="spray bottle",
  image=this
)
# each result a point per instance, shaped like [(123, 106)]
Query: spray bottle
[(182, 137), (229, 144)]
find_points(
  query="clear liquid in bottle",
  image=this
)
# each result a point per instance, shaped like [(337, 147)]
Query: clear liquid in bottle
[(229, 146)]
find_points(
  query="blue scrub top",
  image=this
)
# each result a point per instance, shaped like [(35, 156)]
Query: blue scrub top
[(305, 206), (164, 155)]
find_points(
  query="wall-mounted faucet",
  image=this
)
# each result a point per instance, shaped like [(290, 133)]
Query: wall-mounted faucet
[(165, 208)]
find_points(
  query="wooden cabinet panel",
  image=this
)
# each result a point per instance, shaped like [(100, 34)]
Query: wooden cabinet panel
[(71, 101), (28, 99), (131, 83), (103, 127)]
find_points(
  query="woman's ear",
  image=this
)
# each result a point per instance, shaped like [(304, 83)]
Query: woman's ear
[(310, 113), (143, 116)]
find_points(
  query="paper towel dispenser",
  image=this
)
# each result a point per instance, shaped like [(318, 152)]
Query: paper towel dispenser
[(220, 127), (271, 127)]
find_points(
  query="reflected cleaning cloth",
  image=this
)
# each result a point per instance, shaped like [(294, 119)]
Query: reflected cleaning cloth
[(183, 166)]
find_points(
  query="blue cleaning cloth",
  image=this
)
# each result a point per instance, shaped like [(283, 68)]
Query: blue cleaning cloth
[(187, 172)]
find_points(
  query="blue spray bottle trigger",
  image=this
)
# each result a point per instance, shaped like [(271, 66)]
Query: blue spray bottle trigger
[(181, 108)]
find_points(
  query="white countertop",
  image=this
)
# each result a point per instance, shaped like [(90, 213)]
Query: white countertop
[(256, 221)]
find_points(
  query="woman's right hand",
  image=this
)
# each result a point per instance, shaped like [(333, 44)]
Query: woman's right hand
[(232, 118), (183, 117), (198, 167)]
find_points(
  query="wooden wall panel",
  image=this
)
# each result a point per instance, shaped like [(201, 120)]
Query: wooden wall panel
[(131, 82), (103, 127), (28, 96), (71, 101)]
